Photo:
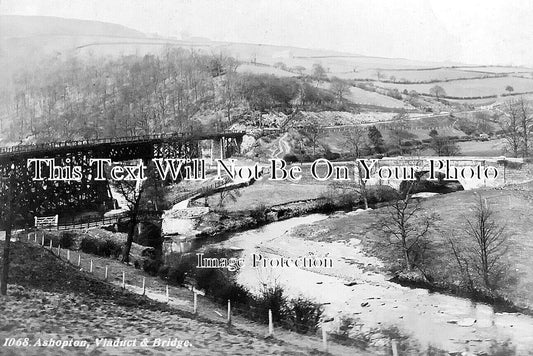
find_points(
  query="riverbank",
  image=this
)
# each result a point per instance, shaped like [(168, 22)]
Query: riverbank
[(73, 304), (364, 296)]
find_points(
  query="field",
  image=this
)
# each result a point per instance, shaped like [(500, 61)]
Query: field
[(498, 69), (490, 148), (363, 97), (267, 193), (471, 87), (261, 69), (420, 75)]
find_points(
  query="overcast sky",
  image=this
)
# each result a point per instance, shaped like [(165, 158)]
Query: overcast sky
[(469, 31)]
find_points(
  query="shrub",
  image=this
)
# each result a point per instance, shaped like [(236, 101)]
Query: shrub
[(106, 248), (176, 276), (177, 268), (306, 158), (66, 239), (151, 266), (381, 193), (109, 248), (331, 155), (150, 236), (304, 315), (258, 213), (272, 298), (54, 238), (393, 152), (290, 158), (89, 245)]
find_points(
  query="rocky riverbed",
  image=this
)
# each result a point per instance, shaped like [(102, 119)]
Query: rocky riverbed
[(354, 289)]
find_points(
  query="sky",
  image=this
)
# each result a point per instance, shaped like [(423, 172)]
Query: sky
[(466, 31)]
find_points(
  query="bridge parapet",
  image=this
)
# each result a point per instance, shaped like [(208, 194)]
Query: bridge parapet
[(471, 172)]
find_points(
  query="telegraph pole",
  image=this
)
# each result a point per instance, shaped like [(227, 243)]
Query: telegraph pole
[(8, 217)]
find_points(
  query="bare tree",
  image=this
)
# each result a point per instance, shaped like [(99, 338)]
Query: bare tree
[(510, 125), (230, 86), (480, 252), (140, 195), (408, 227), (356, 141), (398, 129), (228, 195), (319, 72), (312, 132), (437, 91), (444, 146), (526, 120), (132, 191), (340, 88)]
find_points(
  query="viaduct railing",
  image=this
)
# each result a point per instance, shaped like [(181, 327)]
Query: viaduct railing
[(120, 140)]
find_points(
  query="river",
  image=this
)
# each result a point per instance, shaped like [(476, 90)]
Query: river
[(447, 322)]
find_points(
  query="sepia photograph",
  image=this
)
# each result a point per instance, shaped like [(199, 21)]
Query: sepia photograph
[(267, 177)]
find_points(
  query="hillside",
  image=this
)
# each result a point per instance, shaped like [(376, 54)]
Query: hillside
[(53, 299), (13, 26)]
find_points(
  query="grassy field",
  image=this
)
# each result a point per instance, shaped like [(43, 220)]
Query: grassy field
[(411, 75), (482, 148), (498, 69), (261, 69), (471, 87), (360, 96), (267, 193)]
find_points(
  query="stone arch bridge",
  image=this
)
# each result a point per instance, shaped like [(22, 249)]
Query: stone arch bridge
[(453, 166)]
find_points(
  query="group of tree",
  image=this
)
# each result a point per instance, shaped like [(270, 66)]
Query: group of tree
[(478, 251), (517, 126), (87, 97), (97, 97), (443, 145), (437, 91), (399, 130)]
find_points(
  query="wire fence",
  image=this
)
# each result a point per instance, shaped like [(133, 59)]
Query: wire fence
[(170, 294)]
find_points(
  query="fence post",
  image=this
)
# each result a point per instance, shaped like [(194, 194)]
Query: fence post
[(42, 239), (91, 267), (35, 237), (144, 285), (270, 324), (195, 303), (105, 277), (50, 244), (58, 250), (123, 280), (79, 260), (68, 255), (324, 338), (229, 312), (168, 296), (394, 344)]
